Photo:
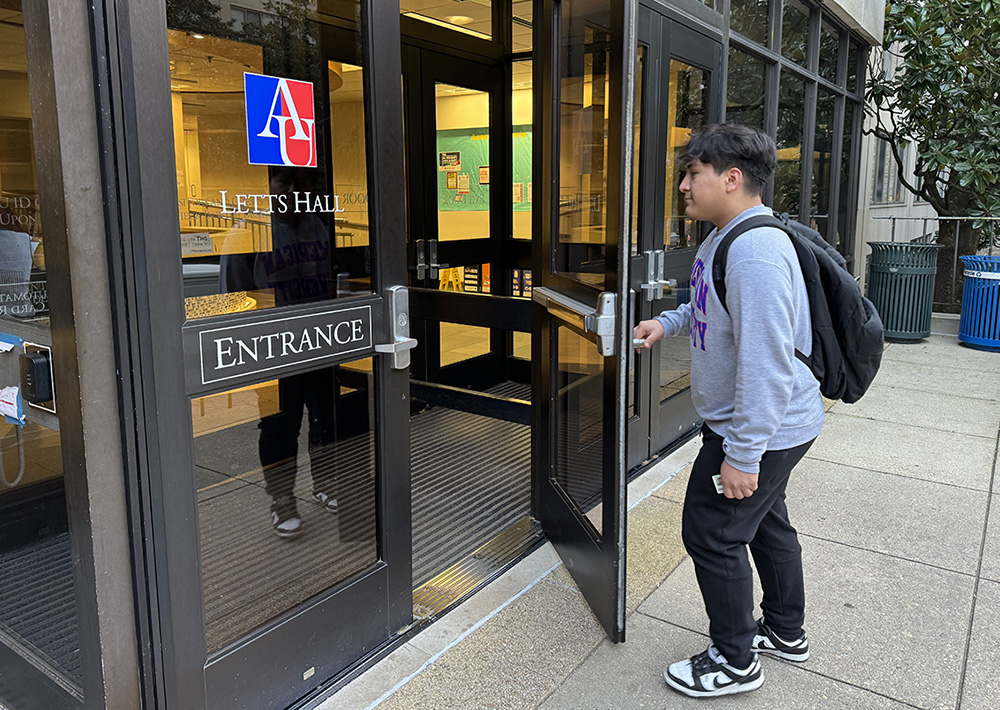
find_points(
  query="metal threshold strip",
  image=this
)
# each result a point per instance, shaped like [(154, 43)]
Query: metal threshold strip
[(466, 576)]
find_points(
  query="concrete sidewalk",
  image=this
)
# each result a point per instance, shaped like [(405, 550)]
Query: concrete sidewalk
[(899, 520)]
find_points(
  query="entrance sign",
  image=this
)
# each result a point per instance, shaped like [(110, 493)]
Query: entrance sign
[(275, 345), (281, 121)]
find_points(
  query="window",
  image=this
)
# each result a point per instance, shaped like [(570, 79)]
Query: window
[(749, 18), (846, 211), (745, 89), (854, 54), (888, 188), (795, 32), (822, 162), (471, 18), (243, 17), (829, 52), (791, 123), (241, 214), (522, 15)]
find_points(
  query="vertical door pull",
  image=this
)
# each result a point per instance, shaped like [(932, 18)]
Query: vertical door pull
[(651, 285), (421, 259), (432, 246)]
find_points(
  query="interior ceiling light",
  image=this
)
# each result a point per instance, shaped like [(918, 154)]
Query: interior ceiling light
[(460, 20)]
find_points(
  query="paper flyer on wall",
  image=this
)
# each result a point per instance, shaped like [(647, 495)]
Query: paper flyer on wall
[(10, 405)]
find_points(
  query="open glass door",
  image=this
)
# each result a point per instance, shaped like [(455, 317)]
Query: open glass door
[(581, 294)]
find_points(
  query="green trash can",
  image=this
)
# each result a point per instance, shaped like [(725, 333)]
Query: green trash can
[(901, 285)]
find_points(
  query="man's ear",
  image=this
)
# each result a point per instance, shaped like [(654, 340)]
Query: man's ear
[(734, 179)]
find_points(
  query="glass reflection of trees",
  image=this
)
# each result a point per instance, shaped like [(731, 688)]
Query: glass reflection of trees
[(750, 19), (791, 120), (745, 90)]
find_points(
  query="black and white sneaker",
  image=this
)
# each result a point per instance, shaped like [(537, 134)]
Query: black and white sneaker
[(766, 641), (708, 674), (285, 517), (327, 501)]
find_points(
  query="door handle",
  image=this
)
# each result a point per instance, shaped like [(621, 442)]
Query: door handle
[(432, 247), (399, 316), (598, 323), (421, 259), (655, 286), (652, 287), (427, 259)]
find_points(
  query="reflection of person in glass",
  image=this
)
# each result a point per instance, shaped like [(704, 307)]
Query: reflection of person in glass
[(298, 270)]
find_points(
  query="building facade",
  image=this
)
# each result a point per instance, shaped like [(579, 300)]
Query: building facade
[(316, 314)]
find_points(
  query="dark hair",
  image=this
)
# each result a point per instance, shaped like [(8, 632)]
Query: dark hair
[(733, 145)]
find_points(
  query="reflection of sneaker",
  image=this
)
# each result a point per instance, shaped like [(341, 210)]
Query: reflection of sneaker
[(708, 674), (328, 502), (285, 517), (766, 641)]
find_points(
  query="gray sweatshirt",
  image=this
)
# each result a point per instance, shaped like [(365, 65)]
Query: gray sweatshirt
[(746, 382)]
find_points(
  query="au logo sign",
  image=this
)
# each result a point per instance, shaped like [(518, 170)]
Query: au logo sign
[(281, 121)]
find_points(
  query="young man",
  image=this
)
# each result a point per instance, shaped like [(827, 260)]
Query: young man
[(762, 410)]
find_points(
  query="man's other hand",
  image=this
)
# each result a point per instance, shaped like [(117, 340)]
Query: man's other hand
[(648, 330), (736, 483)]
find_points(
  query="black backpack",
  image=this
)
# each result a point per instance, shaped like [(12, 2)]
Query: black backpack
[(847, 333)]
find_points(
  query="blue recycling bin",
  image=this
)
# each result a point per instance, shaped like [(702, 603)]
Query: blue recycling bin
[(980, 324)]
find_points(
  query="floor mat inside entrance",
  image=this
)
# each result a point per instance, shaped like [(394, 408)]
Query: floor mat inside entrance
[(37, 604), (471, 482)]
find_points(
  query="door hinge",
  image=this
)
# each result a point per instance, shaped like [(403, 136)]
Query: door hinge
[(399, 318)]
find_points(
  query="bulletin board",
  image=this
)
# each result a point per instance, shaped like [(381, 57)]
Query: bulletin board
[(466, 186)]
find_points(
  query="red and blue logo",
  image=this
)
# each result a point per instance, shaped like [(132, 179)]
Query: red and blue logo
[(281, 121)]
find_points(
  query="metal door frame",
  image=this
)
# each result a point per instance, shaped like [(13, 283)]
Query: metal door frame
[(138, 107)]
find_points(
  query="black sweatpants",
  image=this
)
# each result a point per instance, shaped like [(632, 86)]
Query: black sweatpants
[(279, 433), (716, 531)]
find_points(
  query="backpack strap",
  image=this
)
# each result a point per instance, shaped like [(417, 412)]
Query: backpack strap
[(722, 251)]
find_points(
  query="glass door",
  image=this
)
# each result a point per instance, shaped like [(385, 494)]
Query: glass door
[(456, 217), (281, 515), (581, 296), (681, 77)]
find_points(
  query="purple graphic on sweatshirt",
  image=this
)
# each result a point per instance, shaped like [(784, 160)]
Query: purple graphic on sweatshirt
[(699, 292)]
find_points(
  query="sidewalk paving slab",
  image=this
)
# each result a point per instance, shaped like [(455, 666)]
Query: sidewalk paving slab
[(940, 376), (876, 622), (991, 551), (945, 350), (378, 680), (630, 675), (957, 459), (982, 683), (928, 522), (675, 489), (928, 410), (513, 661), (655, 547)]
